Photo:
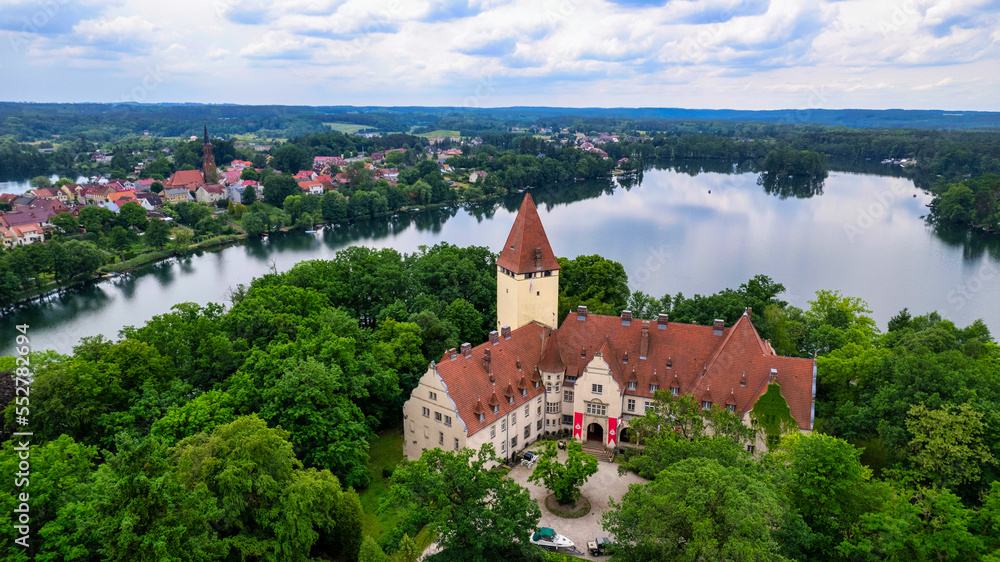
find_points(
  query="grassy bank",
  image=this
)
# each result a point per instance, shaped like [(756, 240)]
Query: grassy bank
[(386, 451)]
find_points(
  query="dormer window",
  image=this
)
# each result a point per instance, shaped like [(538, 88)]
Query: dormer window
[(706, 405), (524, 392), (674, 390), (631, 385), (482, 417), (510, 400), (653, 387), (731, 408), (496, 409)]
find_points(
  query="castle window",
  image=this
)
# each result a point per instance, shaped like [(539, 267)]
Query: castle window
[(427, 412), (440, 438), (513, 418), (538, 293), (496, 409), (510, 400), (524, 392), (513, 442), (567, 396), (674, 390), (631, 385), (597, 409), (456, 443), (539, 410), (538, 425), (437, 417), (526, 410), (503, 447), (433, 395), (750, 449), (631, 405), (503, 424), (596, 388), (548, 274), (731, 408), (567, 419), (482, 417), (653, 387), (447, 421), (706, 405), (527, 432), (493, 431)]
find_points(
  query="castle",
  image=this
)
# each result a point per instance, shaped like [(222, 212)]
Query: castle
[(592, 374)]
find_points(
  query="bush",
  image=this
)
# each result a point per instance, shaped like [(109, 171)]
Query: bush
[(387, 472)]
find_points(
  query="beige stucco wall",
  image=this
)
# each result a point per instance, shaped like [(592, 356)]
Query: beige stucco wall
[(597, 372), (426, 432), (522, 300)]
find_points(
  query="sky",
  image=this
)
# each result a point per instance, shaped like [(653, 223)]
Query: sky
[(712, 54)]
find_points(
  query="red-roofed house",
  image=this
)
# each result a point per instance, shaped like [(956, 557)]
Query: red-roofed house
[(476, 176), (592, 375), (304, 175), (314, 187), (185, 179)]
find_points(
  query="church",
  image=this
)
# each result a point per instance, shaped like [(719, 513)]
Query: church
[(590, 375)]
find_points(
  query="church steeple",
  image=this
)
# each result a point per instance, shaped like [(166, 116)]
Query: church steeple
[(208, 168), (527, 273)]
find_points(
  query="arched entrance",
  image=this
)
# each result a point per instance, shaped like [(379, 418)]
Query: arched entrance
[(595, 433), (625, 435)]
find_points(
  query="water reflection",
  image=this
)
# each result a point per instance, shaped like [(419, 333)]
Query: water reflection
[(783, 186)]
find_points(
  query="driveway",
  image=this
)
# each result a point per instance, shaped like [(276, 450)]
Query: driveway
[(602, 485)]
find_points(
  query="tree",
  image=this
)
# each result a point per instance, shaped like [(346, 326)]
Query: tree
[(696, 509), (564, 479), (157, 233), (41, 182), (182, 239), (253, 224), (479, 513), (120, 240), (272, 508), (156, 187), (278, 187), (65, 222), (371, 551), (96, 219), (598, 283), (947, 444), (290, 159), (249, 195), (132, 215)]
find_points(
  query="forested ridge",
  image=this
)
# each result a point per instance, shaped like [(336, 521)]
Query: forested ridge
[(186, 437)]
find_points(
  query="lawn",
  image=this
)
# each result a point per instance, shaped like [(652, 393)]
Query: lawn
[(440, 133), (386, 450), (347, 127)]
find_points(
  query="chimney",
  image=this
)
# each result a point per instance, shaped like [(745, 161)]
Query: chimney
[(494, 337), (452, 354), (486, 360), (581, 313), (644, 340), (626, 318), (717, 326), (505, 332), (467, 349), (749, 311), (774, 375), (661, 321)]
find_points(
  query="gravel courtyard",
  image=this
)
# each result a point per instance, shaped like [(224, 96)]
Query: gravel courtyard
[(605, 483)]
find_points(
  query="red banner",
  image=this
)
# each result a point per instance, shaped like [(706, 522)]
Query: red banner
[(613, 431), (578, 425)]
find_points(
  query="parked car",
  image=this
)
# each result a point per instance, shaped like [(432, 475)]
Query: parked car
[(599, 546)]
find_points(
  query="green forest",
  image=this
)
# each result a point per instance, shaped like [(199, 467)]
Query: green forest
[(246, 430)]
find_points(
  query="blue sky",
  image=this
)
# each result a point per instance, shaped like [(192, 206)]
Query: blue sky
[(749, 54)]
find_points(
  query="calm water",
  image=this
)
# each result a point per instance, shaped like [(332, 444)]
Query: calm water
[(674, 232)]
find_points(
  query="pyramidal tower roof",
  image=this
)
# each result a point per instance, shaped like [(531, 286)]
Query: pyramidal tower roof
[(527, 248)]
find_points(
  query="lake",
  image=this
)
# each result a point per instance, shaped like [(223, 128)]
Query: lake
[(677, 229)]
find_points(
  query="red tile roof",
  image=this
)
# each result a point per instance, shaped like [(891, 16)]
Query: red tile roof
[(187, 179), (468, 381), (692, 358), (526, 236)]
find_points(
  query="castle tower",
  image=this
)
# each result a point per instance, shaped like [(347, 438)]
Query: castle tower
[(527, 273), (208, 168)]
